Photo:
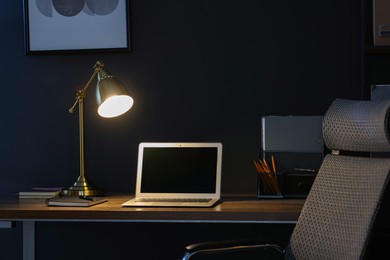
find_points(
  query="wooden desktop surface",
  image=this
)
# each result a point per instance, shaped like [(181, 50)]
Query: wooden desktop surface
[(230, 209)]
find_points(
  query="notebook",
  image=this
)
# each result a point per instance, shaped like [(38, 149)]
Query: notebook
[(178, 175)]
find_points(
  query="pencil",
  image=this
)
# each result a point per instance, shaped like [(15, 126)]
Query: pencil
[(273, 164), (264, 165)]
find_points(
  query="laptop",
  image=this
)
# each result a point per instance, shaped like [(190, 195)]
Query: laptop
[(178, 175)]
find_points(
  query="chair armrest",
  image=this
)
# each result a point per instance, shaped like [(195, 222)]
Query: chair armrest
[(234, 246)]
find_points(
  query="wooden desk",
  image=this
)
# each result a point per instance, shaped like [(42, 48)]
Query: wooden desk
[(230, 210)]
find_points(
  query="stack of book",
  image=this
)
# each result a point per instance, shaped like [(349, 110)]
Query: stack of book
[(75, 201), (40, 193)]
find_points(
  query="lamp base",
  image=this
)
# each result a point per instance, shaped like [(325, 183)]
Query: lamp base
[(82, 188)]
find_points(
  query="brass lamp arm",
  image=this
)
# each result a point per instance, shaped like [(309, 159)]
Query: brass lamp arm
[(82, 93)]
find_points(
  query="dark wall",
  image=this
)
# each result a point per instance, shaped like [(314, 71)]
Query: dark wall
[(198, 71)]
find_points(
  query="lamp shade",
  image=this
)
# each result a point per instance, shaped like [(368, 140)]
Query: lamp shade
[(112, 96)]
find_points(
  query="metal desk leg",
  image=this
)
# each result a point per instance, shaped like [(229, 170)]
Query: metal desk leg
[(28, 240)]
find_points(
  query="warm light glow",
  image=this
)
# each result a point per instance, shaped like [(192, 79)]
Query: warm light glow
[(115, 106)]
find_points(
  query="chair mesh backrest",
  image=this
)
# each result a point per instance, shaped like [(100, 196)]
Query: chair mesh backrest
[(340, 209), (357, 126)]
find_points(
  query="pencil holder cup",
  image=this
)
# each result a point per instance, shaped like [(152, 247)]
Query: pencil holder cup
[(269, 185)]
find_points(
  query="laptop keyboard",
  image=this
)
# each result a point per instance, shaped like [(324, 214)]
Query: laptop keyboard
[(171, 200)]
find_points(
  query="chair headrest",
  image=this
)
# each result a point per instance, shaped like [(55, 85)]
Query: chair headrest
[(353, 125)]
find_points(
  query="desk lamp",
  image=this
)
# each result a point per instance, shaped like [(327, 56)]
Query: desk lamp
[(113, 100)]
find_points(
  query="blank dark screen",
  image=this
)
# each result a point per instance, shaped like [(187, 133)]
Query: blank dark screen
[(179, 170)]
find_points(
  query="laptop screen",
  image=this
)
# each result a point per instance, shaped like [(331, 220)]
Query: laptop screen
[(179, 169)]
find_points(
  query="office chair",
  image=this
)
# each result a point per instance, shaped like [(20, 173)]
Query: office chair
[(340, 209)]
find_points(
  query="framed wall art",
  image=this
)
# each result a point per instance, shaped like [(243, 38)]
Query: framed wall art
[(76, 26)]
